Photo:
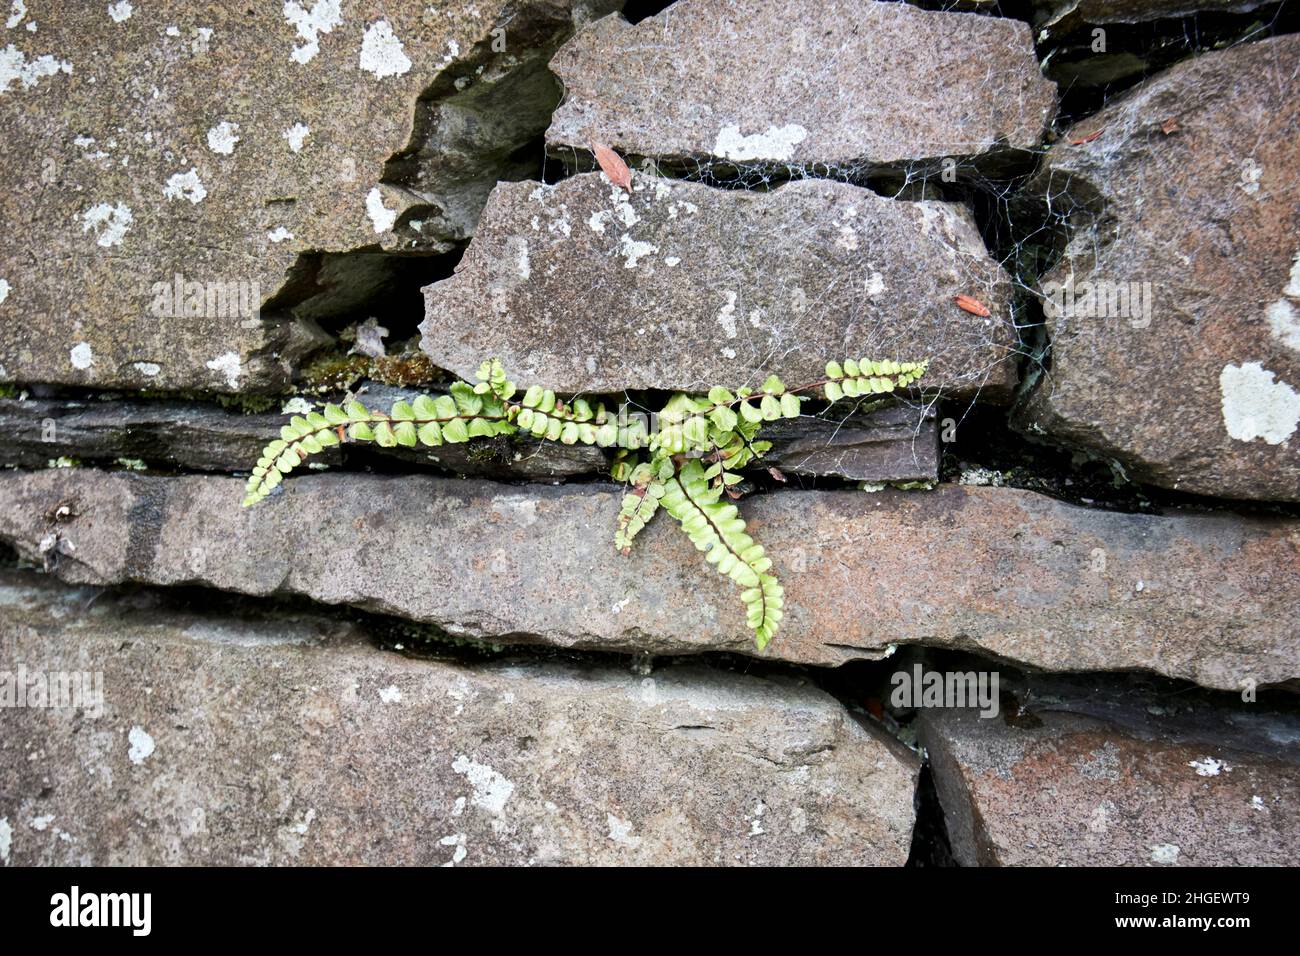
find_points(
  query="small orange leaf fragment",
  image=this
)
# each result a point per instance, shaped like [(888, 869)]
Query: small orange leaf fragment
[(1169, 126), (1085, 139), (973, 306), (611, 163)]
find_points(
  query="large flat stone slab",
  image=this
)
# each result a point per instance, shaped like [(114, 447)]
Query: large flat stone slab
[(582, 287), (1210, 598), (228, 152), (831, 85), (1056, 785), (1200, 389), (227, 740)]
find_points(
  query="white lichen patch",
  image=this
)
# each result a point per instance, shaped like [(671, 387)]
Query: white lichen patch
[(17, 10), (147, 369), (223, 137), (120, 11), (142, 745), (727, 315), (382, 53), (620, 831), (297, 406), (1251, 173), (186, 185), (381, 217), (81, 356), (15, 68), (1284, 314), (390, 694), (109, 223), (491, 789), (279, 234), (1165, 853), (634, 251), (775, 143), (875, 284), (323, 17), (1208, 767), (1258, 405), (296, 135), (4, 290), (6, 840), (456, 840), (228, 367)]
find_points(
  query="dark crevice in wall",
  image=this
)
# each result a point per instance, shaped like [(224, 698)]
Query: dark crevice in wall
[(930, 844), (337, 289), (637, 10), (1087, 80), (1008, 9)]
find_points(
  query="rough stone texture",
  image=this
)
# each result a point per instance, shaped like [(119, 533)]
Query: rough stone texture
[(382, 128), (897, 443), (711, 80), (585, 288), (1210, 598), (1205, 397), (1054, 787), (281, 740)]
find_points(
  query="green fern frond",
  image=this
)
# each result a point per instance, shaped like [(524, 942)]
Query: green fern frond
[(639, 506), (696, 454), (716, 528), (432, 420), (864, 377)]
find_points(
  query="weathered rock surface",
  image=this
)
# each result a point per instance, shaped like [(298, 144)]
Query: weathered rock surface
[(711, 81), (188, 141), (1055, 787), (583, 287), (1201, 390), (1210, 598), (278, 740), (897, 443)]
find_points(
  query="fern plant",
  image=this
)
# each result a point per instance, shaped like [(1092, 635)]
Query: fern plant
[(687, 463)]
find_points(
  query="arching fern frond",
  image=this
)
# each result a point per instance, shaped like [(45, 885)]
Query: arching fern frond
[(696, 452), (639, 506), (427, 420), (716, 528)]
